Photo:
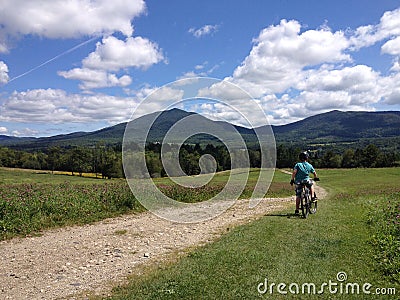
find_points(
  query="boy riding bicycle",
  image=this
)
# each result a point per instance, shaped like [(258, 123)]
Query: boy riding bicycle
[(301, 174)]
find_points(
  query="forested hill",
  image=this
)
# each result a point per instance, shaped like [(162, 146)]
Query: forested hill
[(339, 126), (331, 127)]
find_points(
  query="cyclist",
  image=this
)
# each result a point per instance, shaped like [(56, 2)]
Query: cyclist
[(301, 174)]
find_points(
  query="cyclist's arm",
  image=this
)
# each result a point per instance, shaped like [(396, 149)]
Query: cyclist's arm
[(315, 176), (294, 174)]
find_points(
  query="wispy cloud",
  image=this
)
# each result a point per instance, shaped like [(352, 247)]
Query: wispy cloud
[(205, 30), (51, 59), (25, 132)]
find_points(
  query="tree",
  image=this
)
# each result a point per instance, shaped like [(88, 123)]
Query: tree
[(371, 154), (134, 167), (331, 160), (255, 158), (153, 163), (283, 157), (98, 158), (79, 160), (29, 161), (348, 159), (358, 158), (240, 159), (53, 158), (112, 167), (286, 156), (189, 162), (386, 160), (8, 157), (223, 158)]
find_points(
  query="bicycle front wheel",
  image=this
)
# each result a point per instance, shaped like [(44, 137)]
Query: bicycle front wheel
[(313, 207)]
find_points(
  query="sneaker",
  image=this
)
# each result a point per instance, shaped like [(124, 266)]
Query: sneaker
[(296, 212)]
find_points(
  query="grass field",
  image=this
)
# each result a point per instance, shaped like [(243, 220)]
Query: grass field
[(32, 201), (355, 233), (17, 176)]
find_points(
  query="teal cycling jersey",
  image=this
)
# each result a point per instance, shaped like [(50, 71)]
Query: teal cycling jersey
[(303, 171)]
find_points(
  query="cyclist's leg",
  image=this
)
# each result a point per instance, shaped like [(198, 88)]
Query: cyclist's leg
[(312, 191), (298, 198)]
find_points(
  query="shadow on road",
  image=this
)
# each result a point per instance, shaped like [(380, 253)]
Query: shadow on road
[(287, 215)]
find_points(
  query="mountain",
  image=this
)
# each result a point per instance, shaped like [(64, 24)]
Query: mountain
[(341, 126), (11, 140), (164, 121), (331, 127), (113, 135)]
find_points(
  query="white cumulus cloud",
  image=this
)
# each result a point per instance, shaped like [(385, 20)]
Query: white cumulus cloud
[(3, 130), (295, 73), (92, 79), (396, 66), (391, 89), (392, 46), (355, 80), (389, 26), (113, 54), (281, 52), (66, 19), (57, 106), (3, 73)]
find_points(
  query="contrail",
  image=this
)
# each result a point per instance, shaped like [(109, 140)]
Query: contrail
[(54, 58)]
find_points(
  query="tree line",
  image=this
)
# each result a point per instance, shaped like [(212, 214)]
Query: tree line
[(190, 159), (106, 161), (368, 157)]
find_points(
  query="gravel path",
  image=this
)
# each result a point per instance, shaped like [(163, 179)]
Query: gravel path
[(72, 262)]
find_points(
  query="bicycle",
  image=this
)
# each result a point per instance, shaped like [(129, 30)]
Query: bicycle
[(306, 205)]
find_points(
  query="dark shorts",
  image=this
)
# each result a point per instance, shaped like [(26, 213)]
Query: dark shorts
[(307, 182)]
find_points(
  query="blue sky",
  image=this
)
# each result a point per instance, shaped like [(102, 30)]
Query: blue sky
[(83, 65)]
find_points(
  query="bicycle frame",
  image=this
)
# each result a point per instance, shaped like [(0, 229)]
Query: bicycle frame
[(306, 206)]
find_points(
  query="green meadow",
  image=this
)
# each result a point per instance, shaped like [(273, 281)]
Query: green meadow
[(355, 234), (349, 250), (32, 201)]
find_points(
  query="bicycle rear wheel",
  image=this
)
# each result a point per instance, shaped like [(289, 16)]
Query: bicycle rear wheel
[(305, 202)]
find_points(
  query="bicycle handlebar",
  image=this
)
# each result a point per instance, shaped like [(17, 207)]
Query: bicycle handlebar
[(315, 179)]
